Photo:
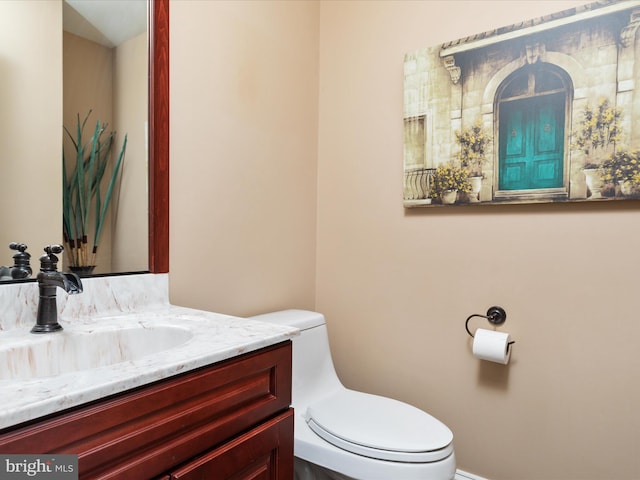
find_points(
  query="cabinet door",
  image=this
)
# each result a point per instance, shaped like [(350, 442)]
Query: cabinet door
[(264, 453)]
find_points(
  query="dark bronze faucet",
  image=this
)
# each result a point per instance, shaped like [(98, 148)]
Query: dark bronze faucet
[(21, 267), (49, 280)]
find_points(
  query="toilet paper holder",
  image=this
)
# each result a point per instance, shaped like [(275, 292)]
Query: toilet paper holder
[(495, 315)]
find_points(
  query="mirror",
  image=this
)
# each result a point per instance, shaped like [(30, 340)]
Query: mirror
[(30, 128), (105, 84)]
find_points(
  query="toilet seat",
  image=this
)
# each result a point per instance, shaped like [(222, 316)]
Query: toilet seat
[(379, 427)]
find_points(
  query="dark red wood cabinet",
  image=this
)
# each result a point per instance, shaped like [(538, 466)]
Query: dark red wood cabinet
[(231, 420)]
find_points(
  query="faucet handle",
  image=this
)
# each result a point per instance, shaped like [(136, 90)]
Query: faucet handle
[(21, 266), (50, 249), (49, 261), (21, 247)]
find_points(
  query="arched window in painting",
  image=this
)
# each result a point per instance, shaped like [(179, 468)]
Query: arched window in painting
[(532, 105)]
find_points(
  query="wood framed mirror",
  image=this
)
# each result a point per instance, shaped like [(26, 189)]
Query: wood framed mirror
[(34, 110)]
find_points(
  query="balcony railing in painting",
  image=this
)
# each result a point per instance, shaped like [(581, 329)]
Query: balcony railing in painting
[(417, 183)]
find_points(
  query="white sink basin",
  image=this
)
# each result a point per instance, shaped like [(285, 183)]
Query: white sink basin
[(46, 355)]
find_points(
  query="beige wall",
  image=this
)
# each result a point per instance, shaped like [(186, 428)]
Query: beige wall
[(244, 90), (396, 285), (131, 107), (30, 130)]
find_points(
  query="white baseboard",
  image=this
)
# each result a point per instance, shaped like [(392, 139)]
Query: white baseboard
[(462, 475)]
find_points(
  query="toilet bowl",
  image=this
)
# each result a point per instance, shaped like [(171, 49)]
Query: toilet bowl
[(342, 434)]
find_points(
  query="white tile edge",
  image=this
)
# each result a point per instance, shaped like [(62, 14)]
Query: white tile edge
[(462, 475)]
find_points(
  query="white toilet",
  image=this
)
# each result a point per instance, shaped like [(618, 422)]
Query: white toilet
[(342, 434)]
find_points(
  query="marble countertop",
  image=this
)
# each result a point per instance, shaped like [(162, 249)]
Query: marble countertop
[(212, 338)]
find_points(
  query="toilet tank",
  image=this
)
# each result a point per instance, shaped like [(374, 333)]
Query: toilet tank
[(314, 375), (302, 319)]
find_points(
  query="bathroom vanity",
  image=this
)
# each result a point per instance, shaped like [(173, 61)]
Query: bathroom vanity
[(212, 403), (229, 420)]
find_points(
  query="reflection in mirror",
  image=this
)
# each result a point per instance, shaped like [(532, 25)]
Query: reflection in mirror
[(114, 64), (30, 125), (105, 80)]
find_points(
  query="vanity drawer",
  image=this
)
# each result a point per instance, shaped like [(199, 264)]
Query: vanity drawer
[(148, 431), (266, 452)]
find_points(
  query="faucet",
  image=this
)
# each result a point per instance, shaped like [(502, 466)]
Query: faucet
[(21, 268), (49, 280)]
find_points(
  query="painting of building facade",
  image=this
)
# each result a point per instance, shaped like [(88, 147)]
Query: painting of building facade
[(547, 110)]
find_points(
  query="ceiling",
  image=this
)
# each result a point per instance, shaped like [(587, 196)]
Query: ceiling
[(107, 22)]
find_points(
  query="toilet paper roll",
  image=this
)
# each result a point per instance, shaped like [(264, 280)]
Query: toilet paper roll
[(492, 346)]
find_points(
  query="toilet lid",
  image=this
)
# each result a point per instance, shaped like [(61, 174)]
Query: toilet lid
[(380, 427)]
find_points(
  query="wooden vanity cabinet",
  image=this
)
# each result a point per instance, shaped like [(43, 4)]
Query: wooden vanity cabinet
[(253, 455), (231, 420)]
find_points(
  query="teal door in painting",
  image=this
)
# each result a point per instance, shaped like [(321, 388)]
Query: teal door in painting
[(531, 150)]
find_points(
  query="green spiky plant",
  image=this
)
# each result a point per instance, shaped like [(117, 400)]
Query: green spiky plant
[(83, 204)]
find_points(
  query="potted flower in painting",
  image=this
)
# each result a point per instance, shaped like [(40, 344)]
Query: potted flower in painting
[(447, 181), (623, 169), (473, 146), (599, 129)]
